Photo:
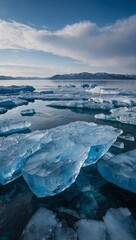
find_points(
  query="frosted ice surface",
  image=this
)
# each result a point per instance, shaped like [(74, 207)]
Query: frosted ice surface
[(28, 112), (123, 115), (14, 151), (120, 170), (56, 165), (10, 126), (44, 225), (88, 229), (117, 224), (120, 224)]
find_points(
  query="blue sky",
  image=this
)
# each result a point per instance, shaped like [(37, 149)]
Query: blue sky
[(43, 38)]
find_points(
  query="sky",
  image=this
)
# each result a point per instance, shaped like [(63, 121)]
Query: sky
[(46, 37)]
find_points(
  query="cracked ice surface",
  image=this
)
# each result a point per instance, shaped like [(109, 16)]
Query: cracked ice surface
[(63, 152), (120, 170), (44, 225), (10, 126), (124, 115)]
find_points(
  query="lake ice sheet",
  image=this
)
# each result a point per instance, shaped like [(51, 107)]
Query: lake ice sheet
[(90, 201)]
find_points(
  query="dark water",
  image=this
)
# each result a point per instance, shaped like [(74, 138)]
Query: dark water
[(89, 197)]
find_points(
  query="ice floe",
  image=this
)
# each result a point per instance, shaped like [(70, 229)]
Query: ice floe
[(119, 145), (88, 229), (28, 112), (14, 151), (44, 225), (82, 104), (123, 115), (58, 162), (117, 224), (10, 126), (55, 156), (120, 224), (120, 170), (127, 137), (12, 102), (13, 89)]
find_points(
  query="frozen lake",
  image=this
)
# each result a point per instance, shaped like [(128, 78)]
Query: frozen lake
[(90, 196)]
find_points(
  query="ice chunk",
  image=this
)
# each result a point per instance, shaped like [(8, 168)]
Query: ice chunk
[(120, 170), (10, 126), (90, 104), (12, 102), (87, 85), (101, 90), (15, 89), (120, 224), (62, 152), (116, 100), (14, 151), (119, 145), (44, 225), (3, 110), (108, 155), (88, 229), (123, 115), (104, 90), (28, 112), (128, 137), (58, 162)]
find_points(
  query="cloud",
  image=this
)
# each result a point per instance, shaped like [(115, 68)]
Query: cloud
[(108, 46)]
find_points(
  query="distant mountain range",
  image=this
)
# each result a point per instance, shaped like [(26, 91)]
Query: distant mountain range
[(82, 75), (19, 78), (86, 75)]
